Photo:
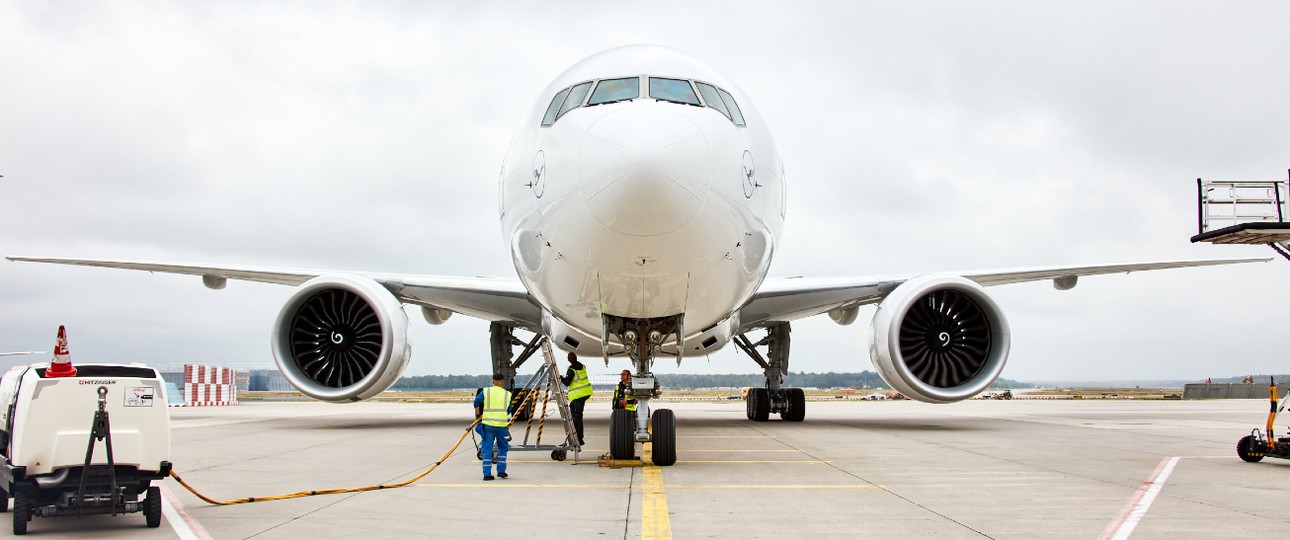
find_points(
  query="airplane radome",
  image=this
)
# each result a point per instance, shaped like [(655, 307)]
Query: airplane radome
[(641, 202)]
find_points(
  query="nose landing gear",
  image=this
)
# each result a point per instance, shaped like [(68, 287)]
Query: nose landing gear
[(644, 338)]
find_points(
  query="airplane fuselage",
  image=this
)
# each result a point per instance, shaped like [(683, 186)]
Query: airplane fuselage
[(641, 207)]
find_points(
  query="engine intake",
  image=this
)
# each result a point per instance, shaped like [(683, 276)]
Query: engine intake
[(341, 338), (939, 339)]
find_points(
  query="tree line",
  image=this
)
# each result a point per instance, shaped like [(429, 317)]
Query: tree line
[(683, 381)]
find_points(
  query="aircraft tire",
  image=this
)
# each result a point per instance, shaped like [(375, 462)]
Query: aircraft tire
[(796, 411), (1243, 449), (663, 429), (621, 434), (759, 404)]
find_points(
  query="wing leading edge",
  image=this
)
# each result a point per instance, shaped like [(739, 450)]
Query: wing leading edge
[(506, 300), (492, 299), (792, 298)]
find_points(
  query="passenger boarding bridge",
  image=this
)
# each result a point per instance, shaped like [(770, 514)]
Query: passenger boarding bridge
[(1244, 212)]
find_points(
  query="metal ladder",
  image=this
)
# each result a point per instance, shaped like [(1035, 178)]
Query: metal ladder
[(547, 374), (561, 398)]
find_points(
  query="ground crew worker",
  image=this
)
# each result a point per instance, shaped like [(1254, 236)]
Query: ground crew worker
[(575, 379), (623, 400), (492, 407)]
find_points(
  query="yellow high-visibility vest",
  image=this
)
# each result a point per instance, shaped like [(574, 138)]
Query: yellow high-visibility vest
[(496, 400), (629, 403), (580, 387)]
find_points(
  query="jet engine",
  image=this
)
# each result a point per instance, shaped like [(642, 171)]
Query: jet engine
[(341, 338), (939, 339)]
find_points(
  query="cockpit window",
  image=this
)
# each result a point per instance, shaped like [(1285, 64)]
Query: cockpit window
[(549, 117), (712, 98), (606, 91), (733, 107), (574, 100), (614, 90), (674, 90)]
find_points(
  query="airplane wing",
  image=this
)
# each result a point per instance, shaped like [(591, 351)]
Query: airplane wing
[(791, 298), (19, 353), (492, 299)]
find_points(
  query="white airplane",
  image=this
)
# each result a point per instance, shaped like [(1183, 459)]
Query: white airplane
[(642, 200), (21, 353)]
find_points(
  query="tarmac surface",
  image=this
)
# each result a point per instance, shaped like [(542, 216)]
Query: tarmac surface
[(978, 469)]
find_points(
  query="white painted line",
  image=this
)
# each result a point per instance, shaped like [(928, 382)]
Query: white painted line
[(1134, 510), (184, 525)]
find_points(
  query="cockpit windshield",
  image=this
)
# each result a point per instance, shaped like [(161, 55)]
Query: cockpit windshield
[(554, 107), (674, 90), (670, 90), (712, 98), (614, 90), (576, 94), (731, 106)]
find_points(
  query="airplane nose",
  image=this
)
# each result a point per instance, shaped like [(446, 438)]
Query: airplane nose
[(644, 169)]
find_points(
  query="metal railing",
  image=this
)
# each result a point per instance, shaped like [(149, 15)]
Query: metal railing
[(1224, 203)]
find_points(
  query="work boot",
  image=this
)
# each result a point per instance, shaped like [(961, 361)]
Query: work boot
[(503, 475), (490, 477)]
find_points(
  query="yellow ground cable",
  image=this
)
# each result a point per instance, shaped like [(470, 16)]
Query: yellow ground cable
[(337, 491)]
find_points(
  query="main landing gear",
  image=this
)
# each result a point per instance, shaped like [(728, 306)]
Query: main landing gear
[(627, 428), (790, 403), (503, 341)]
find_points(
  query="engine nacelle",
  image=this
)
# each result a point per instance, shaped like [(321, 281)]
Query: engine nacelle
[(939, 339), (341, 338)]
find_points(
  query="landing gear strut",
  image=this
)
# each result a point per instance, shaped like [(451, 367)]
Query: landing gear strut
[(790, 403), (643, 338), (503, 341)]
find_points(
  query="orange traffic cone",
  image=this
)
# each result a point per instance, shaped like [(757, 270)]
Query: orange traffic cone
[(62, 364)]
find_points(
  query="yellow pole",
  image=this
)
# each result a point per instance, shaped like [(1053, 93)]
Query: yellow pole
[(1272, 414), (546, 398)]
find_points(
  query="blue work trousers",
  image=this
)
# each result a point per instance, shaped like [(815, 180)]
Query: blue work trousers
[(502, 437)]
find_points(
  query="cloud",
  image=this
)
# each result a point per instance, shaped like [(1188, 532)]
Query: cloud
[(931, 137)]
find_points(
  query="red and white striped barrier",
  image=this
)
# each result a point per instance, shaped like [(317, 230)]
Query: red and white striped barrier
[(206, 386)]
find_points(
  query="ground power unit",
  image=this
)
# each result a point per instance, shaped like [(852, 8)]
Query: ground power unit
[(88, 442)]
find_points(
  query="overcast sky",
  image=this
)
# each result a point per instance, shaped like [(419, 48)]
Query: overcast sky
[(931, 137)]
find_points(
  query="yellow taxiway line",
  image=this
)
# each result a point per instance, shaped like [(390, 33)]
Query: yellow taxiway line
[(504, 484), (530, 486), (655, 523), (772, 486)]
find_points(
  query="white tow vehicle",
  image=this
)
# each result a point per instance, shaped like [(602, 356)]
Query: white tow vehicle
[(86, 443)]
